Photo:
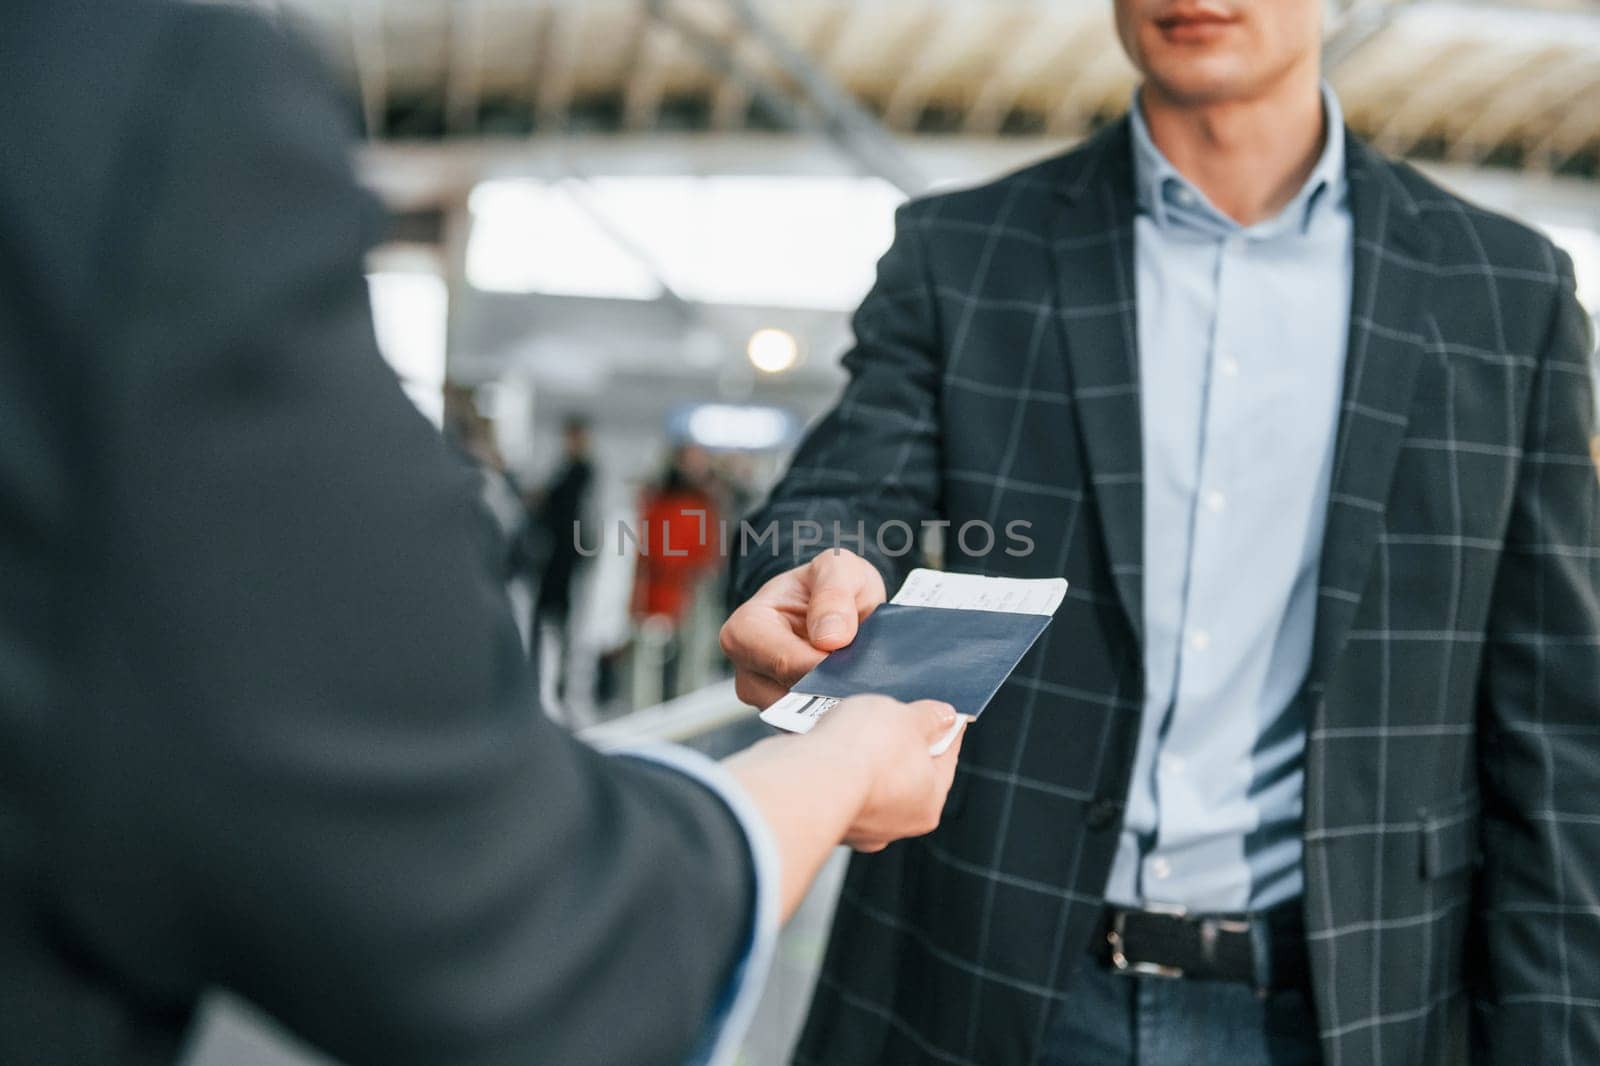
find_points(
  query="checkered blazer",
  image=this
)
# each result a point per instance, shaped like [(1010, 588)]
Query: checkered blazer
[(1452, 805)]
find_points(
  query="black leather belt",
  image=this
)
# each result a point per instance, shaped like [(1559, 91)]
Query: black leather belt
[(1265, 949)]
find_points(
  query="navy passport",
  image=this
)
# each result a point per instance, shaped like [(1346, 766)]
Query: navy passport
[(951, 654)]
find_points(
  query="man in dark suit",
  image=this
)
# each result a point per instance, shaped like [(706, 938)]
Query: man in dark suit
[(265, 725), (556, 516), (1308, 766)]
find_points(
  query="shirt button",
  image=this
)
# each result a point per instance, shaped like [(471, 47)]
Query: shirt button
[(1160, 868), (1200, 640), (1174, 764), (1216, 501), (1229, 367), (1103, 814)]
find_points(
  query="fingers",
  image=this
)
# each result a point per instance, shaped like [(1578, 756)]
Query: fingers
[(952, 753), (949, 738), (844, 589), (795, 619), (756, 690), (761, 641), (909, 782), (935, 718)]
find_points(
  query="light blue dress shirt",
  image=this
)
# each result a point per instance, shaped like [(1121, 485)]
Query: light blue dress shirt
[(1242, 336)]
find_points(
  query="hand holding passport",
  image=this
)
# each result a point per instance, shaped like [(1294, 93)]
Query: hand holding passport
[(948, 637)]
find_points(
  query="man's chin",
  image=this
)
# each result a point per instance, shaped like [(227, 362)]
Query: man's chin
[(1201, 83)]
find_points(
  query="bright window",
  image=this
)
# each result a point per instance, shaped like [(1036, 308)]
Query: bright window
[(803, 242)]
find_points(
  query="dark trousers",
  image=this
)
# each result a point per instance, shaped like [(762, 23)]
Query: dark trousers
[(1109, 1019)]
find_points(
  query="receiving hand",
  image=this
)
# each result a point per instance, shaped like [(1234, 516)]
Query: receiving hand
[(795, 619), (905, 786)]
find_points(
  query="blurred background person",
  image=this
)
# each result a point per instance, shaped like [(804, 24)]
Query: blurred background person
[(562, 510), (472, 437), (679, 554)]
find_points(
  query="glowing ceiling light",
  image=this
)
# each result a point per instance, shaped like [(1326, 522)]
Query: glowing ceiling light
[(730, 426), (773, 351)]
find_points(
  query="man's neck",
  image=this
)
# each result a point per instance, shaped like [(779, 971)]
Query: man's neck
[(1249, 157)]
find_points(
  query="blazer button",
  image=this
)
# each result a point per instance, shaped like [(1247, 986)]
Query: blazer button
[(1103, 814)]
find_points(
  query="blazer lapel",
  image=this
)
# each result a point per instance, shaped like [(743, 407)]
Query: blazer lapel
[(1387, 332), (1092, 249)]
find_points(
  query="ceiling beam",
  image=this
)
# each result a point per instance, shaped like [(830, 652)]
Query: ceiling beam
[(859, 39), (730, 102), (1544, 80), (817, 104), (1046, 44), (1569, 135), (1087, 88), (371, 64), (1449, 74), (647, 78), (731, 61), (953, 34), (1356, 23), (412, 175), (557, 82), (463, 92)]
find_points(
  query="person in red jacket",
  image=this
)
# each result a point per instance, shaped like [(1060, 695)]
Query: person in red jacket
[(677, 538), (677, 550)]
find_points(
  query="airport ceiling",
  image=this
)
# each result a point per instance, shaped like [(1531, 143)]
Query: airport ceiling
[(1514, 84)]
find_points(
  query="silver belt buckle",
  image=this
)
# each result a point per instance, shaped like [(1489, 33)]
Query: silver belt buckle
[(1120, 963)]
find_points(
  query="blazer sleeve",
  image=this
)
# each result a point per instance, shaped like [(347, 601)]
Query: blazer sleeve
[(1540, 727), (309, 765), (868, 474)]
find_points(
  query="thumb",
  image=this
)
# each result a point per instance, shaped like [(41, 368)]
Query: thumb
[(843, 587), (831, 617), (934, 717)]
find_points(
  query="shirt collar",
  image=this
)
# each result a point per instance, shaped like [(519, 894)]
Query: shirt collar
[(1170, 199)]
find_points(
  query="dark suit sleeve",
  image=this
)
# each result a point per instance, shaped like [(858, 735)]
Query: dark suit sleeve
[(1541, 728), (310, 767), (871, 468)]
